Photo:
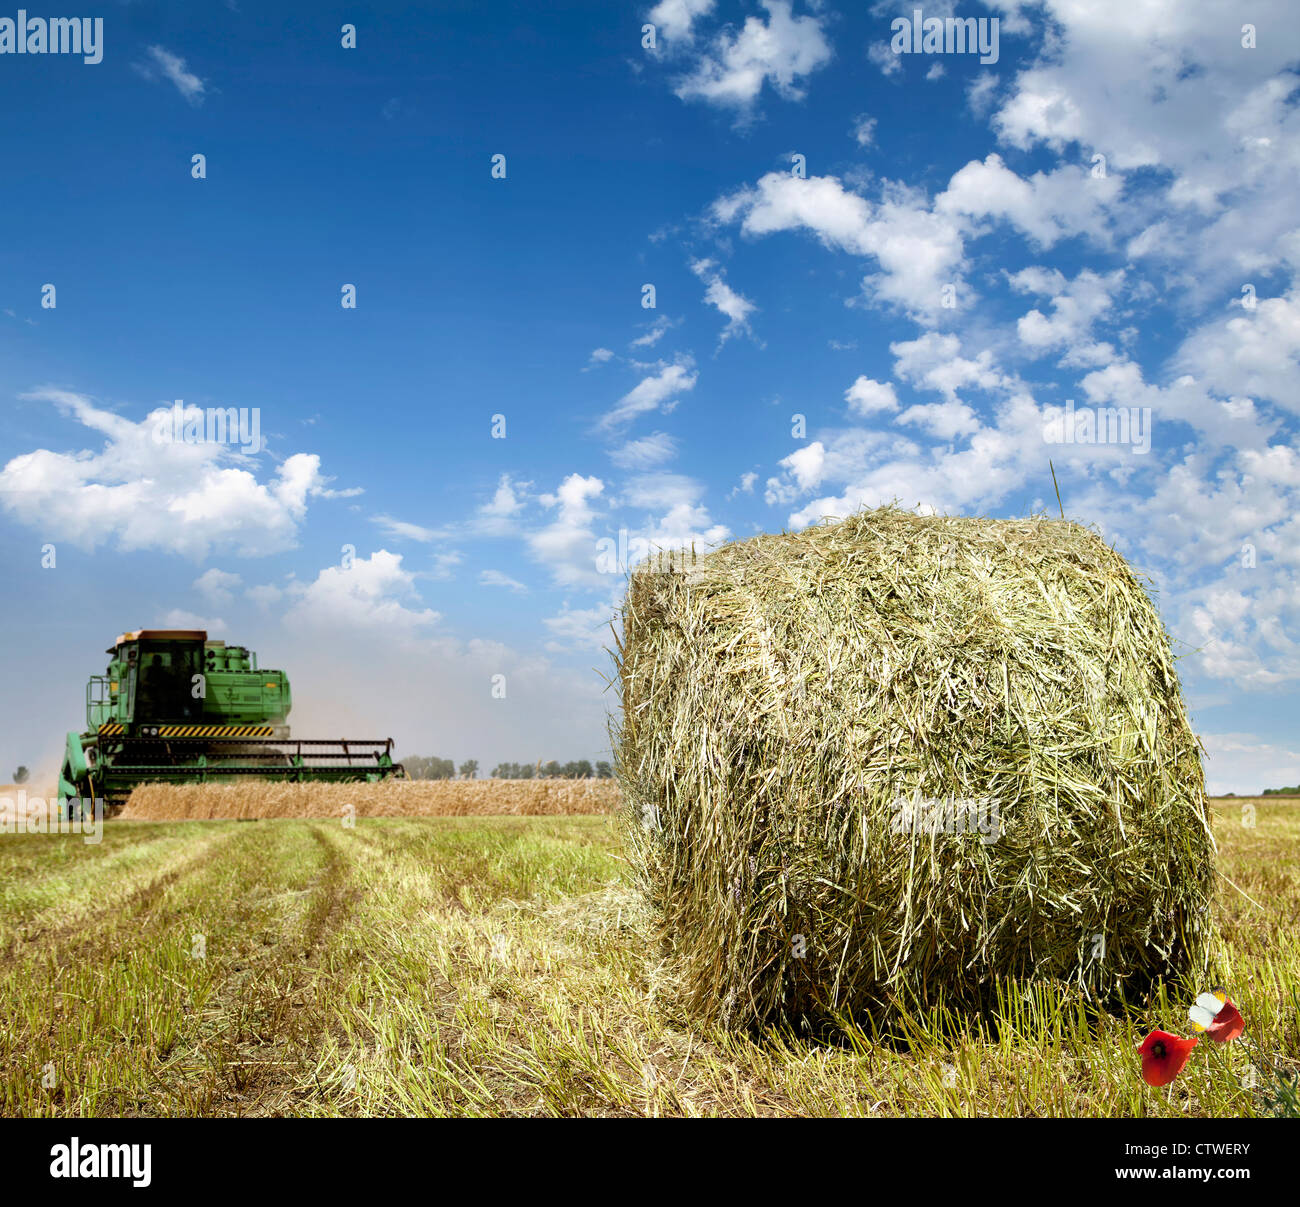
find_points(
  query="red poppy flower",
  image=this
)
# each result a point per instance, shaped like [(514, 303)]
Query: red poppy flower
[(1217, 1017), (1163, 1056)]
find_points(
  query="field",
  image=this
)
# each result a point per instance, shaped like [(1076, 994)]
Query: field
[(497, 966), (393, 798)]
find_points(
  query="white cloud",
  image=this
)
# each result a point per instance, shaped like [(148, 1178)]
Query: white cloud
[(1256, 352), (745, 486), (683, 520), (1242, 763), (675, 19), (1168, 88), (370, 593), (567, 545), (217, 586), (162, 62), (401, 530), (1076, 307), (806, 465), (148, 493), (445, 563), (1046, 206), (265, 595), (661, 490), (654, 333), (884, 58), (864, 130), (781, 51), (658, 391), (919, 251), (869, 397), (934, 362), (179, 618), (686, 525), (499, 516), (496, 578), (581, 628), (945, 420), (645, 452), (727, 301)]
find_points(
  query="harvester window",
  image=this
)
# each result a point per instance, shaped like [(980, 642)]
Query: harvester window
[(166, 675)]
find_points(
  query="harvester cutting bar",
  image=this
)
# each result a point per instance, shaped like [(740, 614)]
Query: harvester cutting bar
[(278, 758), (355, 751)]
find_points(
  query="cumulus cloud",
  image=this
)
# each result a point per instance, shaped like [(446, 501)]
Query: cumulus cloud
[(1256, 352), (781, 51), (675, 19), (1046, 206), (745, 486), (1076, 307), (1166, 88), (139, 491), (919, 251), (869, 397), (499, 516), (567, 545), (934, 362), (373, 592), (945, 420), (677, 516)]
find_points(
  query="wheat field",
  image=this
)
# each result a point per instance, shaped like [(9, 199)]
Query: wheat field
[(391, 798)]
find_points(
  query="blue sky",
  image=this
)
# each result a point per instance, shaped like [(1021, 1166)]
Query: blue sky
[(1105, 214)]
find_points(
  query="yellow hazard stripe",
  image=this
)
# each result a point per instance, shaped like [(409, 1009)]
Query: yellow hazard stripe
[(110, 728)]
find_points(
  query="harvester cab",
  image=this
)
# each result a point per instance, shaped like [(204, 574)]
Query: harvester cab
[(174, 707)]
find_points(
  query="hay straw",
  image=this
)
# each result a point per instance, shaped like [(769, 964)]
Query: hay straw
[(391, 798), (803, 716)]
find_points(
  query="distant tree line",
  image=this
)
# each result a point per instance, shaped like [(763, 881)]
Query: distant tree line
[(1282, 791), (580, 769), (419, 767)]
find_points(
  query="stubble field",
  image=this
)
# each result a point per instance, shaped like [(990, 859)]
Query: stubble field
[(499, 965)]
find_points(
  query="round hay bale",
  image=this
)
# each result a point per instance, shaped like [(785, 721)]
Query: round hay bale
[(896, 759)]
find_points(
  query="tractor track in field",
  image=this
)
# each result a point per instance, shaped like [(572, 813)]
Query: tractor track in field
[(81, 932), (276, 1026)]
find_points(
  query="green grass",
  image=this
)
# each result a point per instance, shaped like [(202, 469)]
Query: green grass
[(498, 966)]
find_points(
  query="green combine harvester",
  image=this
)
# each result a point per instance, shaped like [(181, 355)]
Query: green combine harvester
[(176, 708)]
